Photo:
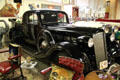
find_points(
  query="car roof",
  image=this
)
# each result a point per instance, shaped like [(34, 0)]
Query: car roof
[(40, 10)]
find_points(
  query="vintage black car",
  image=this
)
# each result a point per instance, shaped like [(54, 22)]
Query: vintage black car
[(112, 31), (50, 34)]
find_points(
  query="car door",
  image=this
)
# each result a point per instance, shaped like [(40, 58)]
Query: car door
[(31, 27)]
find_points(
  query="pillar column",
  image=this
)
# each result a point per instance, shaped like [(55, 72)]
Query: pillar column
[(113, 10)]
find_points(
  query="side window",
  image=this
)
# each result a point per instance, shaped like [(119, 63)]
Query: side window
[(61, 17), (33, 18)]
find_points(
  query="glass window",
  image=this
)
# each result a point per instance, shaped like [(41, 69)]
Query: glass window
[(33, 18), (53, 18), (61, 17)]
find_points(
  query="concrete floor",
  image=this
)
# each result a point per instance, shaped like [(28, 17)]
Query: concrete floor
[(31, 74)]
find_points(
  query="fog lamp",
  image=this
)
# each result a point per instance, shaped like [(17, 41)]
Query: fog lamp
[(106, 29), (44, 44), (90, 42), (112, 37), (116, 29)]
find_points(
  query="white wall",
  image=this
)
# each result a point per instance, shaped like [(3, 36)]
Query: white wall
[(82, 3), (94, 4), (87, 7), (112, 9), (68, 10)]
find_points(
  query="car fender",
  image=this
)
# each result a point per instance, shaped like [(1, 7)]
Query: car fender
[(53, 50), (72, 48)]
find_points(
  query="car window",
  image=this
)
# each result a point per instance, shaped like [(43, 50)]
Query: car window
[(49, 17), (61, 17), (53, 17), (33, 18)]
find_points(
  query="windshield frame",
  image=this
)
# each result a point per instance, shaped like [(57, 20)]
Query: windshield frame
[(41, 12)]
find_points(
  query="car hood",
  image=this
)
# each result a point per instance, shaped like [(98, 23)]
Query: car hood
[(75, 29), (95, 24)]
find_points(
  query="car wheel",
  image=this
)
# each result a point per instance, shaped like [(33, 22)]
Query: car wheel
[(42, 43)]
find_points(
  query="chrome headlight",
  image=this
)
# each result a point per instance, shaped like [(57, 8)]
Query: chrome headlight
[(112, 37), (90, 42), (116, 29), (44, 44), (106, 29)]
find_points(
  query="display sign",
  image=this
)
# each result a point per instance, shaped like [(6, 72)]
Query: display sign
[(103, 64)]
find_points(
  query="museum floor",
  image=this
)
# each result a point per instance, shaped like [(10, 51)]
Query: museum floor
[(31, 74), (34, 73)]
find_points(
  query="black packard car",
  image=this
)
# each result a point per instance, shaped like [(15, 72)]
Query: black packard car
[(50, 34)]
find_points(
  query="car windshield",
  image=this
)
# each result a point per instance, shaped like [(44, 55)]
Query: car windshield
[(53, 17)]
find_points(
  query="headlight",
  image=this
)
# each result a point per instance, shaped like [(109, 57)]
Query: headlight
[(112, 37), (44, 44), (90, 42), (116, 29), (106, 29)]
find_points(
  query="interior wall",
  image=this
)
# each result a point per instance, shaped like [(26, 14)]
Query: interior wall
[(118, 10), (113, 9), (100, 4), (96, 4)]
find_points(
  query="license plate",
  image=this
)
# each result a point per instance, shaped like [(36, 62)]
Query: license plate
[(103, 64)]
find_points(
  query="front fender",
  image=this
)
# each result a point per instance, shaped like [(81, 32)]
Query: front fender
[(71, 48), (54, 49)]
